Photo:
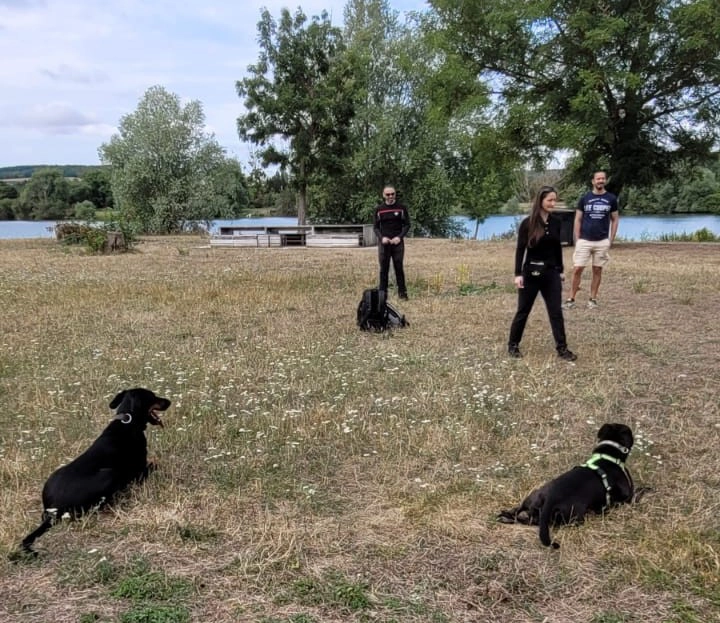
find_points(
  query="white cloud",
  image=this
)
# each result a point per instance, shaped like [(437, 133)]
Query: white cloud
[(72, 68), (58, 118), (83, 75)]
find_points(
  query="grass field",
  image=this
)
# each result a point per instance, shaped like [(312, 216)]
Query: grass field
[(311, 473)]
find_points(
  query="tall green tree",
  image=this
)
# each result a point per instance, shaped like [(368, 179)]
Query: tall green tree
[(633, 87), (297, 98), (231, 186), (395, 136), (8, 201), (45, 195), (418, 125), (164, 164), (480, 153), (374, 39), (8, 191), (98, 182)]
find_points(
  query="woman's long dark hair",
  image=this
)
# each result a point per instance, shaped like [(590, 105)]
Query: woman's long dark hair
[(536, 226)]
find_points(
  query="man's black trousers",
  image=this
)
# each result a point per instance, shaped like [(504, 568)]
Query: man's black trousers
[(396, 253)]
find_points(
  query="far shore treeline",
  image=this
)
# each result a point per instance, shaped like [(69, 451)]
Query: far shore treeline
[(466, 111), (59, 192)]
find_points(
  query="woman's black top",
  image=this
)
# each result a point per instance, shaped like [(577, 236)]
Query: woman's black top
[(547, 249)]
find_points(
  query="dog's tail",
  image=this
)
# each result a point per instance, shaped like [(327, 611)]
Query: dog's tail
[(48, 521), (546, 517)]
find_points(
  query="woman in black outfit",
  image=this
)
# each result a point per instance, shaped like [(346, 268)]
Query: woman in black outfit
[(539, 268)]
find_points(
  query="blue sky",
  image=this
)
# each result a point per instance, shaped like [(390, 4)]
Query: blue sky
[(72, 68)]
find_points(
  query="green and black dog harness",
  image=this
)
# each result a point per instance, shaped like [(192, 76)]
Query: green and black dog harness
[(593, 464)]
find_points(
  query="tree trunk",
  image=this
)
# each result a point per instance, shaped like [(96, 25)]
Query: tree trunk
[(301, 204)]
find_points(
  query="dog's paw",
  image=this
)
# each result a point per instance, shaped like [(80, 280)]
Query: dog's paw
[(506, 517)]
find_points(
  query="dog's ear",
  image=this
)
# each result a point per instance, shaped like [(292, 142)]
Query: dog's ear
[(118, 399), (627, 437), (604, 431)]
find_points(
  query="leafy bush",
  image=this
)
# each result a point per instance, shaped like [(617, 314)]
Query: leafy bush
[(7, 209), (85, 210), (701, 235), (71, 233), (105, 238)]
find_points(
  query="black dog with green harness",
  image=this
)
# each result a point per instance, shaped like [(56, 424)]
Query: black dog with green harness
[(601, 482)]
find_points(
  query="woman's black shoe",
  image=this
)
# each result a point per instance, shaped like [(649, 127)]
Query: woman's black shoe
[(567, 355)]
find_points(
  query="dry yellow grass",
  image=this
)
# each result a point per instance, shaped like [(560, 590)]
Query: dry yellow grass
[(312, 473)]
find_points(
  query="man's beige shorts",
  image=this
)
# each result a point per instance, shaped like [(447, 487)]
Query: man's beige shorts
[(591, 251)]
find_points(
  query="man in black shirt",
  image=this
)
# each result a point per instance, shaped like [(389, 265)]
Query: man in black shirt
[(391, 225)]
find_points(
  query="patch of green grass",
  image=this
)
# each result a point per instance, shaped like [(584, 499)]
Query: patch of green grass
[(609, 617), (659, 579), (195, 534), (422, 285), (140, 583), (306, 591), (401, 606), (154, 613), (85, 569), (683, 612), (351, 595), (332, 590), (467, 289), (293, 618)]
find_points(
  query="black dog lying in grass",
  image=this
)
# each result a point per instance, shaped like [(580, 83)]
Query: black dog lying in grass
[(602, 482), (117, 458)]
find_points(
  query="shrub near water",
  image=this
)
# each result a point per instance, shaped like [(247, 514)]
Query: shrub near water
[(701, 235), (310, 472), (96, 239)]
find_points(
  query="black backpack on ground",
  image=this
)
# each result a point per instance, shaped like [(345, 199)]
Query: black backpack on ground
[(374, 313)]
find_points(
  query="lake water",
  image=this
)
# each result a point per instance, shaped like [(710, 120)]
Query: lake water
[(637, 228)]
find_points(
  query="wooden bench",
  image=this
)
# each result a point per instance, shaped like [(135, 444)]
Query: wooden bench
[(245, 240), (334, 240), (321, 235)]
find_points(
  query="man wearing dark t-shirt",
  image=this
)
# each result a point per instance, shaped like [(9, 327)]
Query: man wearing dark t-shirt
[(391, 225), (595, 228)]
